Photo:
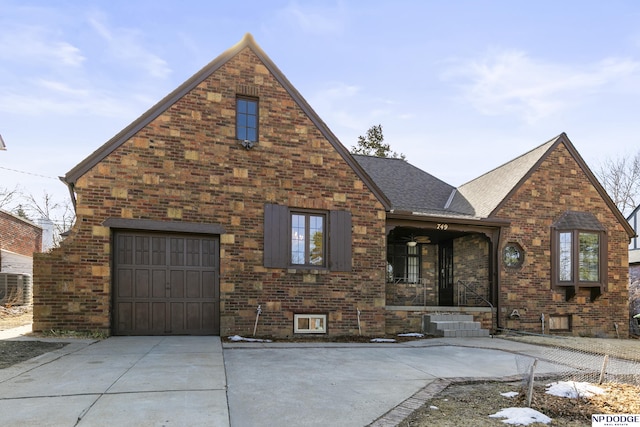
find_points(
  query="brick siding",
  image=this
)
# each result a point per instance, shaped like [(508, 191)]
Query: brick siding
[(19, 235), (186, 165), (559, 185)]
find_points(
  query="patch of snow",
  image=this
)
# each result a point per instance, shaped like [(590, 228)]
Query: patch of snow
[(433, 407), (573, 390), (412, 334), (510, 394), (239, 338), (383, 340), (521, 416)]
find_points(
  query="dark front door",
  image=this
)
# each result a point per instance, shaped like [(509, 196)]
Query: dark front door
[(445, 279), (166, 284)]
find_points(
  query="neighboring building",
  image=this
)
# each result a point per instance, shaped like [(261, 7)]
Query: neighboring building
[(634, 246), (231, 198), (19, 240), (634, 272)]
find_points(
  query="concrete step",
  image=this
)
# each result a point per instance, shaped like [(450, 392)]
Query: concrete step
[(452, 325)]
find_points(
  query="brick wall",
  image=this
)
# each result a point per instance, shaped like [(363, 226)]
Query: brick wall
[(19, 235), (471, 266), (186, 165), (557, 186)]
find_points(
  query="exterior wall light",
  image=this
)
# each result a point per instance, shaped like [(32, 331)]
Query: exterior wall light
[(248, 144)]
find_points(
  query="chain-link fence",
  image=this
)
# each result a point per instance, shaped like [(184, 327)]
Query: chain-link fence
[(585, 360)]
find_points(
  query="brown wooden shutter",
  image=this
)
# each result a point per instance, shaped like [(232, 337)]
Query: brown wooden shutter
[(340, 241), (276, 223)]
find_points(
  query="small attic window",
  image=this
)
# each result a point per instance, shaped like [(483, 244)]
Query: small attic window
[(247, 119)]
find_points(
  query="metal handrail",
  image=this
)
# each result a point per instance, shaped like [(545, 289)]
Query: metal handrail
[(460, 282)]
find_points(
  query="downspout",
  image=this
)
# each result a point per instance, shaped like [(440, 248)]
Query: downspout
[(72, 193)]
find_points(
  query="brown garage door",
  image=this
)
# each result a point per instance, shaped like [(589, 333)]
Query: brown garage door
[(166, 284)]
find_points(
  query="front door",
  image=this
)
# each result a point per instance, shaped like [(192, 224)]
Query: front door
[(445, 279)]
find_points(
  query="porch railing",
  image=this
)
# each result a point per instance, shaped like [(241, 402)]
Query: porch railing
[(463, 288)]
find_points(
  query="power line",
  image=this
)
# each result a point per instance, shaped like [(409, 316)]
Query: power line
[(28, 173)]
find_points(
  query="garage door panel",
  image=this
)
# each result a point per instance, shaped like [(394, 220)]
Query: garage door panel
[(158, 317), (166, 284), (125, 282), (177, 316), (209, 315), (142, 316), (158, 251), (142, 284), (194, 317), (193, 252), (177, 283), (193, 284), (142, 252), (124, 313), (159, 284), (177, 254)]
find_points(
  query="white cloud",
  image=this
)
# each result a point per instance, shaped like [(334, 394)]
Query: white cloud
[(33, 44), (512, 83), (127, 46)]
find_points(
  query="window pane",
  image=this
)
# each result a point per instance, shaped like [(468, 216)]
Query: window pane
[(316, 243), (297, 239), (242, 106), (251, 135), (252, 107), (565, 257), (589, 257), (412, 269)]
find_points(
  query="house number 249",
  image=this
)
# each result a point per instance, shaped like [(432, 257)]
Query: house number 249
[(442, 226)]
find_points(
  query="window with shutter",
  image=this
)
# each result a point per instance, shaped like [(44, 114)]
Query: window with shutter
[(307, 239)]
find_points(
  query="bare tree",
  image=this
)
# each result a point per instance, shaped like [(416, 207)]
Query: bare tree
[(7, 196), (61, 214), (621, 178)]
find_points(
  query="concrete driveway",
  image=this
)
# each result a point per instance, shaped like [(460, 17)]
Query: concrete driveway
[(185, 381), (120, 381)]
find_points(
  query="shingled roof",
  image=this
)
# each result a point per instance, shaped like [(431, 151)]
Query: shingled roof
[(407, 187), (486, 192), (410, 189)]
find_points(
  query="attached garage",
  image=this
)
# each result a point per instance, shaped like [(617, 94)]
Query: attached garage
[(166, 283)]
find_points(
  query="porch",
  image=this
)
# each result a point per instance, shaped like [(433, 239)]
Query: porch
[(436, 268)]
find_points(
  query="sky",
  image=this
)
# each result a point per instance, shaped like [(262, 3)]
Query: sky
[(459, 87)]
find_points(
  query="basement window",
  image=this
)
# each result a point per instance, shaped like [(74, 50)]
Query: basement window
[(310, 323), (560, 323)]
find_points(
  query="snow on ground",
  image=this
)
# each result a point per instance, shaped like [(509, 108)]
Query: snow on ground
[(383, 340), (573, 390), (510, 394), (412, 334), (521, 416), (239, 338)]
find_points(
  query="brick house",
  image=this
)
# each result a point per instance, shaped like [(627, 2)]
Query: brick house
[(19, 240), (231, 198)]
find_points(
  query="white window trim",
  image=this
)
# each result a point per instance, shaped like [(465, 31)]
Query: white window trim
[(317, 323)]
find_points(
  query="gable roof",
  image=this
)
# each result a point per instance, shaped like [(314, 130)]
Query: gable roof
[(490, 190), (407, 187), (247, 42), (411, 189)]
